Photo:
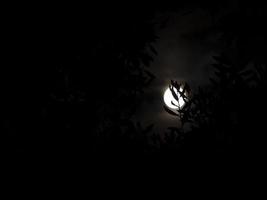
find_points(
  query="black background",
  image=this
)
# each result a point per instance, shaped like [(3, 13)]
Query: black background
[(74, 75)]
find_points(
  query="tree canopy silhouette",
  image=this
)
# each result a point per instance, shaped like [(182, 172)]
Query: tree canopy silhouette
[(227, 116)]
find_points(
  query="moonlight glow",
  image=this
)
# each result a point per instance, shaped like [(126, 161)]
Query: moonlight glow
[(169, 99)]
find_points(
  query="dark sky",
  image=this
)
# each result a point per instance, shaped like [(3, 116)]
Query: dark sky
[(73, 78), (182, 56)]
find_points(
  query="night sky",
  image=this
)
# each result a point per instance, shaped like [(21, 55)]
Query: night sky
[(181, 57), (89, 80)]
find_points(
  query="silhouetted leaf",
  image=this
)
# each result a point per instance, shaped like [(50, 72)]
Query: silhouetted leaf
[(148, 129), (187, 87), (174, 94), (174, 104), (222, 59), (170, 111), (152, 76), (153, 49), (213, 81), (183, 95)]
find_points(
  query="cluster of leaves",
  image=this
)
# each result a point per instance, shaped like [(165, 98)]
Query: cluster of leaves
[(227, 115), (183, 91), (86, 77), (84, 83)]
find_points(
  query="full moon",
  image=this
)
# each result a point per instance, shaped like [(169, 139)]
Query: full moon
[(169, 99)]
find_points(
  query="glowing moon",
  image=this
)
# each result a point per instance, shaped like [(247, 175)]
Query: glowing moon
[(168, 99)]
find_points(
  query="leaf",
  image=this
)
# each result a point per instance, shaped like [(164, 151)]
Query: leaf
[(139, 126), (213, 81), (146, 59), (222, 59), (187, 105), (153, 49), (170, 111), (152, 76), (174, 104), (187, 87), (182, 94), (148, 128), (219, 74), (164, 23), (247, 72), (175, 84), (173, 93), (174, 129)]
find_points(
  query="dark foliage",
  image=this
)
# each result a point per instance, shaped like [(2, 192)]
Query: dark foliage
[(72, 82), (75, 82), (227, 117)]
